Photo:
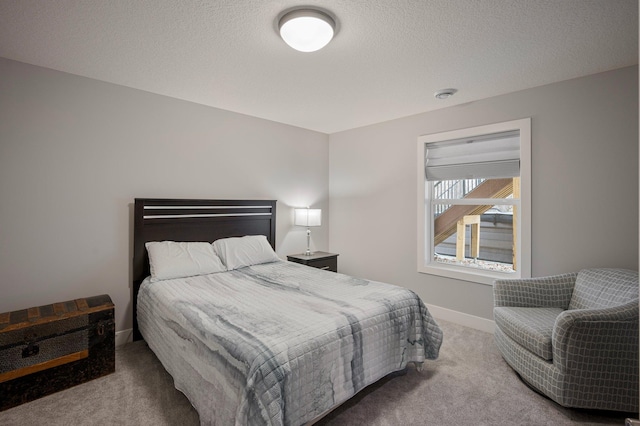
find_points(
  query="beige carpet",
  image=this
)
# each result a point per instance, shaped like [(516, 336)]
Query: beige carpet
[(469, 384)]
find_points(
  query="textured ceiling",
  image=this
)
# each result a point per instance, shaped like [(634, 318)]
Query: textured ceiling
[(386, 61)]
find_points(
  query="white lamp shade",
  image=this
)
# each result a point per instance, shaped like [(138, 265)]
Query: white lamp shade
[(306, 30), (308, 217)]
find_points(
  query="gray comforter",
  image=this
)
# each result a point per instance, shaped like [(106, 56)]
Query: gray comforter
[(281, 343)]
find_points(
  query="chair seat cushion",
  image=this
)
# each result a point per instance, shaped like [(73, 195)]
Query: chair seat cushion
[(531, 328)]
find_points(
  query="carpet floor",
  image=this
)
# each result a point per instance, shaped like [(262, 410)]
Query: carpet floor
[(469, 384)]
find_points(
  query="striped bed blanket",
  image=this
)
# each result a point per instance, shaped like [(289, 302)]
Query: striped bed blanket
[(281, 343)]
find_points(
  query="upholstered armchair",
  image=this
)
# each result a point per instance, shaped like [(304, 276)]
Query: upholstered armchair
[(573, 337)]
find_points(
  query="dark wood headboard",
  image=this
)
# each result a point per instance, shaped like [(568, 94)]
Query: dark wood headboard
[(157, 219)]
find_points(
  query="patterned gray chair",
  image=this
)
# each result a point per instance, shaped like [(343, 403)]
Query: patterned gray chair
[(573, 337)]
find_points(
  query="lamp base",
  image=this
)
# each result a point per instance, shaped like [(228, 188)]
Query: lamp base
[(308, 252)]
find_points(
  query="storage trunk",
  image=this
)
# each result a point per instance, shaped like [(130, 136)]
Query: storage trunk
[(49, 348)]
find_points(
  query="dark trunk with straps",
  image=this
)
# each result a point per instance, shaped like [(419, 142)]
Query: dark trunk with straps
[(49, 348)]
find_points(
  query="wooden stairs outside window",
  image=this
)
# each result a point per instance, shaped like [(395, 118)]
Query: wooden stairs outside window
[(447, 223)]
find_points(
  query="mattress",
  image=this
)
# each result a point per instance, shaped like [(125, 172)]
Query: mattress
[(281, 343)]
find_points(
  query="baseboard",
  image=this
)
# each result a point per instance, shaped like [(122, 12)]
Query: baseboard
[(124, 336), (461, 318)]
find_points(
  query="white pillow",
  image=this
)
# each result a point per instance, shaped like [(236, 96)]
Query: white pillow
[(237, 252), (170, 259)]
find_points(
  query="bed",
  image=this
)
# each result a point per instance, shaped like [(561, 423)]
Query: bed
[(261, 340)]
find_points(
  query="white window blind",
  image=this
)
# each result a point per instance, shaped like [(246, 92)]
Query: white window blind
[(490, 156)]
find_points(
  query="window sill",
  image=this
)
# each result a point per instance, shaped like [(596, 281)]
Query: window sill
[(466, 274)]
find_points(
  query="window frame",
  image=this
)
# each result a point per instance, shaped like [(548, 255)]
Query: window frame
[(425, 263)]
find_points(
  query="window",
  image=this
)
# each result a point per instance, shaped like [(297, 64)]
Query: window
[(474, 210)]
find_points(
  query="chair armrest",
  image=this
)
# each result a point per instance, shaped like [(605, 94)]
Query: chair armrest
[(543, 292), (582, 338)]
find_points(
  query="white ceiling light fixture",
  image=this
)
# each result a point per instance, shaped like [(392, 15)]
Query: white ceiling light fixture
[(445, 93), (306, 30)]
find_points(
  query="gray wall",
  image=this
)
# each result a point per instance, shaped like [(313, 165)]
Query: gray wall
[(75, 152), (584, 185)]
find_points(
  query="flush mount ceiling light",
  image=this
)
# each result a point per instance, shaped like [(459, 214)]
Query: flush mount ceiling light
[(306, 30), (445, 93)]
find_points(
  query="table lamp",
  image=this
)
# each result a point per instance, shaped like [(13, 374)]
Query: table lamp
[(308, 217)]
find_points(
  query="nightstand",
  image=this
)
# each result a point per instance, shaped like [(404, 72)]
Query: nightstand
[(319, 259)]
